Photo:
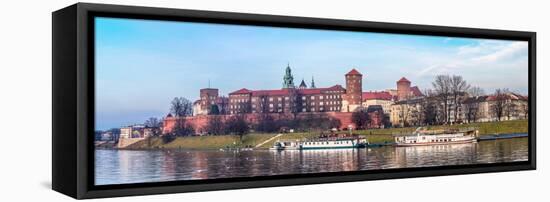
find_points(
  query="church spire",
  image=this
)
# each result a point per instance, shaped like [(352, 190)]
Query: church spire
[(312, 83), (288, 79), (302, 85)]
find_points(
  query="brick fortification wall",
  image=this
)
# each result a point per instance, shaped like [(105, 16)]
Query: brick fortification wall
[(199, 122)]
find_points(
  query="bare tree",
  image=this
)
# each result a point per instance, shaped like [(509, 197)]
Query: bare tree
[(181, 128), (442, 87), (181, 107), (404, 114), (498, 103), (244, 108), (215, 125), (471, 110), (237, 125), (429, 108), (294, 103), (263, 104), (361, 119), (223, 104), (510, 109), (153, 122), (458, 88), (475, 91)]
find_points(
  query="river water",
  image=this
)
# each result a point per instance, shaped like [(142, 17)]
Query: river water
[(136, 166)]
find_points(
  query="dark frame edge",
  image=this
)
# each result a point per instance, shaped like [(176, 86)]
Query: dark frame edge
[(64, 48), (533, 99)]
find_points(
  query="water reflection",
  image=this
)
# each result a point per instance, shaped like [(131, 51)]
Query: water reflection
[(125, 166)]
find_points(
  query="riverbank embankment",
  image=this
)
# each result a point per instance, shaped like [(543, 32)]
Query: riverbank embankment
[(266, 140)]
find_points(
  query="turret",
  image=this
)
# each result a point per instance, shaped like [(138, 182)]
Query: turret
[(354, 91), (403, 89), (288, 79)]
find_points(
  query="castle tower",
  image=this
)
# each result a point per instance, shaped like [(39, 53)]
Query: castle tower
[(312, 83), (208, 97), (403, 89), (354, 91), (288, 79)]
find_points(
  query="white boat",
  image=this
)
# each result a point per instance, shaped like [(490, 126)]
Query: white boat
[(326, 142), (436, 137)]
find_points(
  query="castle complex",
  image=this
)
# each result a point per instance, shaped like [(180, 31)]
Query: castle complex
[(292, 99), (397, 107)]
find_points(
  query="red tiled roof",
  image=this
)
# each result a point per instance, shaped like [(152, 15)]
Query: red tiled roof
[(241, 91), (282, 92), (270, 92), (354, 72), (335, 87), (383, 95), (416, 91), (403, 79), (511, 96)]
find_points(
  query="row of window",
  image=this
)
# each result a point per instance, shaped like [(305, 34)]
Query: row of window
[(313, 109), (326, 143)]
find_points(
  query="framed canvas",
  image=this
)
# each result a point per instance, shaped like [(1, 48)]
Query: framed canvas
[(156, 100)]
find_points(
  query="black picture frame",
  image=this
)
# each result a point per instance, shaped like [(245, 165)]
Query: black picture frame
[(73, 100)]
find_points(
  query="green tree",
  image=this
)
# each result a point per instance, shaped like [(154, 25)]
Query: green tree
[(214, 110)]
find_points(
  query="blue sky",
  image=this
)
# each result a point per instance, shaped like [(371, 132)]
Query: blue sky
[(141, 65)]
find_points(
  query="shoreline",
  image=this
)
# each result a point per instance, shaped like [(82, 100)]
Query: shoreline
[(259, 141), (372, 145)]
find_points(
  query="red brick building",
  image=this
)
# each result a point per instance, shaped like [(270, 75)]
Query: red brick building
[(296, 100)]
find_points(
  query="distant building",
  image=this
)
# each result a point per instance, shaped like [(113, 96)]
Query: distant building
[(210, 99), (406, 112), (138, 131), (484, 108), (378, 98)]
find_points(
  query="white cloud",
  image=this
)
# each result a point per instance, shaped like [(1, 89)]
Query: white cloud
[(489, 64)]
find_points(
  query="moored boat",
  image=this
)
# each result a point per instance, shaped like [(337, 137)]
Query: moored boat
[(436, 137), (322, 142)]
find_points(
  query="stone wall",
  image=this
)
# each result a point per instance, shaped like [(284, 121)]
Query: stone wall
[(125, 142), (199, 122)]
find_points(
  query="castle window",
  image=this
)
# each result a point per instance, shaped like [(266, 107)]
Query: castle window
[(313, 97), (303, 110), (286, 98), (312, 109), (321, 103), (279, 98), (270, 105), (271, 99), (320, 97), (303, 97)]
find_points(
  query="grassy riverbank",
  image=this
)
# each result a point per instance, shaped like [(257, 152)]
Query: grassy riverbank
[(490, 128), (373, 135)]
